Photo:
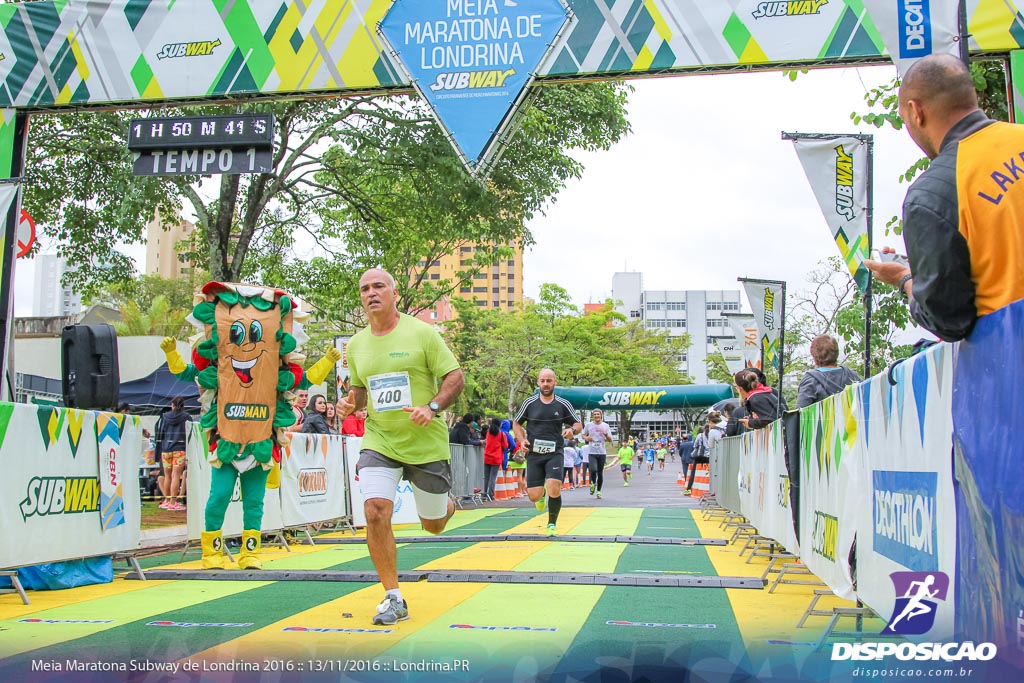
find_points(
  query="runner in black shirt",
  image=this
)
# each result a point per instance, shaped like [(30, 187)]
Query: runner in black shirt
[(550, 420)]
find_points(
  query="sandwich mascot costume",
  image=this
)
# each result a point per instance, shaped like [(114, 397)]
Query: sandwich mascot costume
[(246, 362)]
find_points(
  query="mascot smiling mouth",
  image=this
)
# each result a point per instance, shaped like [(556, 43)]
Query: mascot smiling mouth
[(243, 368)]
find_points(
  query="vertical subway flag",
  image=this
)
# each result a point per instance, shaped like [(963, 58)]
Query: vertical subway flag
[(767, 302), (472, 61), (747, 338), (837, 170)]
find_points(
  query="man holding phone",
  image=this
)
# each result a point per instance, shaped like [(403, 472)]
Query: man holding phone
[(962, 216)]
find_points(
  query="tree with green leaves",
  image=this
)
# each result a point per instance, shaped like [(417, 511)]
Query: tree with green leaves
[(158, 319), (368, 180), (834, 306)]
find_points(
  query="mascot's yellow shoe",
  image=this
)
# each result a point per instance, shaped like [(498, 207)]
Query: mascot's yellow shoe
[(213, 550), (249, 556)]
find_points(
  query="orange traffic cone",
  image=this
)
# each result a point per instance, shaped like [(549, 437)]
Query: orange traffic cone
[(681, 479)]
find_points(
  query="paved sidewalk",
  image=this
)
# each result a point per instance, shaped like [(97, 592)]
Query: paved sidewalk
[(658, 489)]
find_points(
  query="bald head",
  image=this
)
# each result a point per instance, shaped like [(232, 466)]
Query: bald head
[(373, 273), (378, 293), (936, 93), (942, 80)]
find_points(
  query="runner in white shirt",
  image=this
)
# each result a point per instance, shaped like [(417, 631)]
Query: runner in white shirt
[(596, 433)]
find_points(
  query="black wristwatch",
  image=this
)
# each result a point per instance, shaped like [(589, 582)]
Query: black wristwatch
[(903, 284), (435, 406)]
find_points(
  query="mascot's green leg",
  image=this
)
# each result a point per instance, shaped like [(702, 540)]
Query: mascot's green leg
[(254, 488), (222, 485)]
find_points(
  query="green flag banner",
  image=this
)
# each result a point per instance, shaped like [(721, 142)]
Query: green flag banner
[(645, 398)]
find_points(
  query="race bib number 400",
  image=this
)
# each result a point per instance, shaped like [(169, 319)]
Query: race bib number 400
[(391, 391)]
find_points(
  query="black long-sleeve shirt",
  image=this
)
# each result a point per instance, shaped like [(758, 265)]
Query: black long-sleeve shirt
[(962, 226)]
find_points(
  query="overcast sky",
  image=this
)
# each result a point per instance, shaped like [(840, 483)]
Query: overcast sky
[(703, 191)]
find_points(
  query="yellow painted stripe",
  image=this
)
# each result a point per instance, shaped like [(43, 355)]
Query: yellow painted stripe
[(122, 601), (427, 602)]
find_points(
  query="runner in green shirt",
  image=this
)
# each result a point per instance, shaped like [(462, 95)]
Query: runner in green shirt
[(397, 365), (626, 464)]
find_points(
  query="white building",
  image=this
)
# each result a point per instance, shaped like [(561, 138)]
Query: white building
[(697, 312), (51, 299)]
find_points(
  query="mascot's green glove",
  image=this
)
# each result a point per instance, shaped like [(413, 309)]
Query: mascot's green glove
[(318, 372), (175, 363)]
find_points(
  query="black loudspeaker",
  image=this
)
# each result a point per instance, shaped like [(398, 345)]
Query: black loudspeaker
[(91, 378)]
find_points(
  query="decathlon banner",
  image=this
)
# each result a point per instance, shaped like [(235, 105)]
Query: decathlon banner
[(472, 62), (50, 492), (109, 429), (745, 329), (837, 169), (768, 301), (912, 29), (405, 503), (312, 479), (905, 442), (199, 477), (764, 484), (989, 465), (830, 489)]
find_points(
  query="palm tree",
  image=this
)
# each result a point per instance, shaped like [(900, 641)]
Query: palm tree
[(158, 321)]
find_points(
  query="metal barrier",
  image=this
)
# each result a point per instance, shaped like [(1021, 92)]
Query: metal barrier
[(725, 467), (467, 471)]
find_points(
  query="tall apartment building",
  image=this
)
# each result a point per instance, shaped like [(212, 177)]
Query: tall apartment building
[(51, 299), (162, 256), (499, 286), (697, 312)]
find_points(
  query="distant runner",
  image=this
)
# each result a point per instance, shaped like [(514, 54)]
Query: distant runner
[(550, 421), (626, 464)]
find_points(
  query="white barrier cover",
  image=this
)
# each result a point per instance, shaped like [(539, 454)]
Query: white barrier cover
[(199, 474), (405, 504), (831, 489), (764, 485), (50, 491), (313, 479), (906, 434)]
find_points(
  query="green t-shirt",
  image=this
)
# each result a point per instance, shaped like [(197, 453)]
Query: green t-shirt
[(662, 453), (626, 455), (410, 359)]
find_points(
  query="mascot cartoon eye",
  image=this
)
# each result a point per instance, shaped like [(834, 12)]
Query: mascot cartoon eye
[(255, 332), (237, 333)]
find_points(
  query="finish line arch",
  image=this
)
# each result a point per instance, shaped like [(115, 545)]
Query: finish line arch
[(669, 397), (67, 55)]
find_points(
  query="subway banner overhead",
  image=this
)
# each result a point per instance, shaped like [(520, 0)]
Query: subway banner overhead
[(645, 398), (97, 52)]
